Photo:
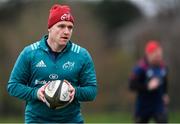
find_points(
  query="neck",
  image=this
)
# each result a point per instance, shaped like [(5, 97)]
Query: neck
[(54, 46), (154, 63)]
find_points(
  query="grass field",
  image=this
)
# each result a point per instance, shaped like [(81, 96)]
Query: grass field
[(100, 118), (123, 118)]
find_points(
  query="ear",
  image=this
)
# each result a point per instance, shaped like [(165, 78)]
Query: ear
[(49, 29)]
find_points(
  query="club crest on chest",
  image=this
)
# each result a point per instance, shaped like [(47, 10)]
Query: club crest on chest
[(68, 66)]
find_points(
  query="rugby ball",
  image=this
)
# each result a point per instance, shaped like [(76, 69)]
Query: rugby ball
[(57, 94)]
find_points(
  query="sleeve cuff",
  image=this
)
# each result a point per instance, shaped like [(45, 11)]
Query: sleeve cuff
[(35, 93), (76, 92)]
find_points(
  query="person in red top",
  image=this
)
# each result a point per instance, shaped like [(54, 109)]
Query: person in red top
[(149, 80)]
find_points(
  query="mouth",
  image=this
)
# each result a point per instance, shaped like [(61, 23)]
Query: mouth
[(65, 38)]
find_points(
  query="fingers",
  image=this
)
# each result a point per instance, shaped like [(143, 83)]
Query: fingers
[(42, 98), (71, 91), (71, 95), (166, 99), (44, 87), (71, 88), (40, 93)]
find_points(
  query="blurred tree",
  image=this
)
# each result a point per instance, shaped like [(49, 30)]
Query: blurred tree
[(116, 14), (10, 10)]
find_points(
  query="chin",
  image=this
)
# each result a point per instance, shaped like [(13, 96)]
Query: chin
[(63, 43)]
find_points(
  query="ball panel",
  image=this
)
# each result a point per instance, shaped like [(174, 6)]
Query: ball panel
[(57, 94), (52, 88), (64, 95)]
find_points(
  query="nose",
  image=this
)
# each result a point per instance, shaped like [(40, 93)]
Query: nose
[(66, 31)]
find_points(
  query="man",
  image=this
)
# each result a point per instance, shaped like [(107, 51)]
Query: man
[(149, 81), (54, 57)]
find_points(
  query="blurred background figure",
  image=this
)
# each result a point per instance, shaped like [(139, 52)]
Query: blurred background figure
[(149, 81)]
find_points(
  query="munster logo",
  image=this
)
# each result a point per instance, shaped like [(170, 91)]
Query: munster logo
[(68, 65)]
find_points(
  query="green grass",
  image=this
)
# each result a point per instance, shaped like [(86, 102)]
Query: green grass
[(100, 118), (174, 117), (108, 118), (11, 119)]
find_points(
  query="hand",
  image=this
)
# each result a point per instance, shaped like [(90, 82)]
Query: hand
[(153, 84), (166, 99), (71, 90), (40, 93)]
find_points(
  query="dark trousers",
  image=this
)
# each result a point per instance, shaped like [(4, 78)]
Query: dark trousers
[(158, 118)]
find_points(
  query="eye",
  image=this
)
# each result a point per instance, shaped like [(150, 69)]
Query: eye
[(61, 26), (70, 27)]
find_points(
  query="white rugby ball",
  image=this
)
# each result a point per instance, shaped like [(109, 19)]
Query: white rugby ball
[(57, 94)]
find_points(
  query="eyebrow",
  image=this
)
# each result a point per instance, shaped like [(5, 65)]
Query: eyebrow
[(70, 26), (66, 25)]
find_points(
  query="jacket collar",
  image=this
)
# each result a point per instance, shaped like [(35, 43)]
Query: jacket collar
[(145, 59)]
